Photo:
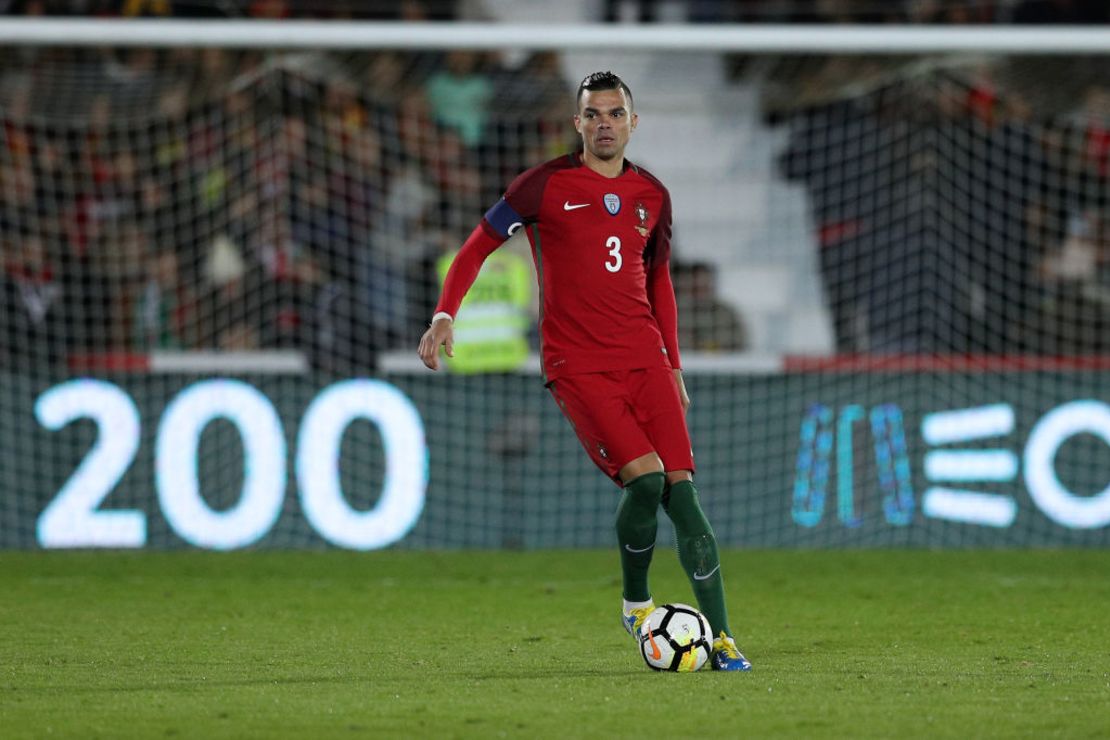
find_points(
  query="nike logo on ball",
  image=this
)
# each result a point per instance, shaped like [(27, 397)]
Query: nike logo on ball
[(700, 577), (655, 651), (568, 206), (630, 548)]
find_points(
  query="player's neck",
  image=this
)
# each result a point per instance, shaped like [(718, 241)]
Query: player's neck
[(604, 167)]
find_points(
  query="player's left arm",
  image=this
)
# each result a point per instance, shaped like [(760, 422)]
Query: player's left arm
[(660, 293)]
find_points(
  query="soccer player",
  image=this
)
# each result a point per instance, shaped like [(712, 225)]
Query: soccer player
[(600, 231)]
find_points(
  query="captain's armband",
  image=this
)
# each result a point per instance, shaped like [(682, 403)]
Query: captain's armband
[(504, 219)]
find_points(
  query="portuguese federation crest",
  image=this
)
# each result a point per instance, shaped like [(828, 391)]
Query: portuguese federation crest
[(642, 217), (612, 203)]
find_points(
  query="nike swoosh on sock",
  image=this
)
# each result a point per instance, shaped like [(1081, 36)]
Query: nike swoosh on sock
[(700, 577)]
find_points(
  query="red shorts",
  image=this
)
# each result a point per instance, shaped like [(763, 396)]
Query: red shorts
[(622, 415)]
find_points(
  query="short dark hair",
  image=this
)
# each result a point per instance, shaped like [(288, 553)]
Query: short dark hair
[(602, 81)]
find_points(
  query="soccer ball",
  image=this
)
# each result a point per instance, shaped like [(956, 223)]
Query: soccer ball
[(676, 637)]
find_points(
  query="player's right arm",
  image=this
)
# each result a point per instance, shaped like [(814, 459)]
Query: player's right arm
[(497, 225), (461, 275), (440, 333)]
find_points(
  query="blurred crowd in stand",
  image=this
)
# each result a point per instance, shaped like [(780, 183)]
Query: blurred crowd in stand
[(192, 199), (859, 11), (301, 202), (953, 215), (386, 10)]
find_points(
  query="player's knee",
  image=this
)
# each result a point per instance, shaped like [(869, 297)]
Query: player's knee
[(680, 492), (673, 477), (640, 500), (642, 465), (677, 476), (646, 490), (682, 506)]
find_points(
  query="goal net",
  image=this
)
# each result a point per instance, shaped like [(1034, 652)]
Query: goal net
[(892, 272)]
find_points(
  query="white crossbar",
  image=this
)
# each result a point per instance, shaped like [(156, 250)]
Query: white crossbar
[(884, 39)]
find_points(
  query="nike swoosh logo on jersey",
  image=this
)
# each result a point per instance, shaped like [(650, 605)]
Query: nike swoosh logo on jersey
[(568, 206), (630, 548), (700, 577)]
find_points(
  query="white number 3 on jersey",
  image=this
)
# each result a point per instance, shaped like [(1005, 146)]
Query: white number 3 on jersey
[(613, 243)]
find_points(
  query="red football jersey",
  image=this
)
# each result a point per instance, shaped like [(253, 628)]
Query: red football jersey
[(602, 250)]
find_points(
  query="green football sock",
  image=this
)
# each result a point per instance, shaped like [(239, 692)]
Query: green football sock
[(697, 551), (637, 521)]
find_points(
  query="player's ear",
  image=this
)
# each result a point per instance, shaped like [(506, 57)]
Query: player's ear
[(577, 123), (635, 120)]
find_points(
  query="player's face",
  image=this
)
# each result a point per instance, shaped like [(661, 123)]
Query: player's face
[(605, 122)]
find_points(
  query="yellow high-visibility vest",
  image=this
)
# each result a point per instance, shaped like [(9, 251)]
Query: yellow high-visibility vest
[(491, 329)]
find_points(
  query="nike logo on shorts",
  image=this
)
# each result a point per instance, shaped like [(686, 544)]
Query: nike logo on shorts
[(568, 206), (700, 577)]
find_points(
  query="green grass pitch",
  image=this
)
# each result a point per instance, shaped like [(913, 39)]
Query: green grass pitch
[(483, 644)]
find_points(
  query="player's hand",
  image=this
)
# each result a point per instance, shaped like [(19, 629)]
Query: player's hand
[(682, 395), (440, 333)]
